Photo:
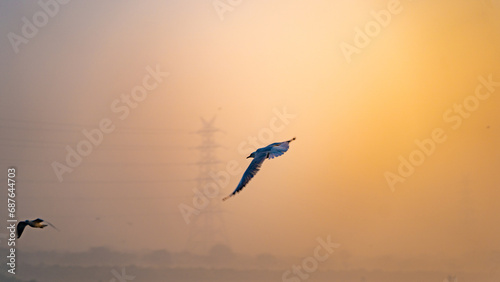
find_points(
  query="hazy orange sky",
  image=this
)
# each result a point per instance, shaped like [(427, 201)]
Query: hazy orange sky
[(353, 115)]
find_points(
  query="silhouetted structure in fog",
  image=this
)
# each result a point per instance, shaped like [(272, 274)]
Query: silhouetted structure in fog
[(207, 228)]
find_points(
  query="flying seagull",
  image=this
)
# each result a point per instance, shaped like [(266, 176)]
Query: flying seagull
[(37, 223), (269, 152)]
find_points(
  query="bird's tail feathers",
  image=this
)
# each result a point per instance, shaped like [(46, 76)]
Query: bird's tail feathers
[(291, 139), (227, 197)]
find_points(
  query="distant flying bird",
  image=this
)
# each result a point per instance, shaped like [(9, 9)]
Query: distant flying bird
[(37, 223), (269, 152)]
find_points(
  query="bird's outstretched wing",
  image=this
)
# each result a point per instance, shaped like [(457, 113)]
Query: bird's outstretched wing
[(279, 149), (251, 171), (20, 228), (52, 225)]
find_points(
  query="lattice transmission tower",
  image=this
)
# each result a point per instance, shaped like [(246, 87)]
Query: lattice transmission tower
[(207, 229)]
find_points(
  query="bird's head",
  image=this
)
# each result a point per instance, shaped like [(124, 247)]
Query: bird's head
[(252, 155)]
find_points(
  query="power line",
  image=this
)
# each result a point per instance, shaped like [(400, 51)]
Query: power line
[(121, 182), (100, 147), (100, 198), (94, 164), (80, 126)]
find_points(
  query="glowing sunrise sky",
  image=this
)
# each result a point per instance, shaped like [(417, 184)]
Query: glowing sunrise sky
[(353, 115)]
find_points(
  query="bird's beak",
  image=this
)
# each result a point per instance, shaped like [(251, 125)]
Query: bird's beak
[(249, 156)]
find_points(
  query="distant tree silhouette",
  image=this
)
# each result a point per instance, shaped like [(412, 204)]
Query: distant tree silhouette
[(221, 253), (451, 278), (159, 258)]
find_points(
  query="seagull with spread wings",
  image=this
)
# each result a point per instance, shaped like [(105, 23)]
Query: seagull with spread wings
[(37, 223), (269, 152)]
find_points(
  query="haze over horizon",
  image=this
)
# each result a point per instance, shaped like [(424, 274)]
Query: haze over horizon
[(397, 126)]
